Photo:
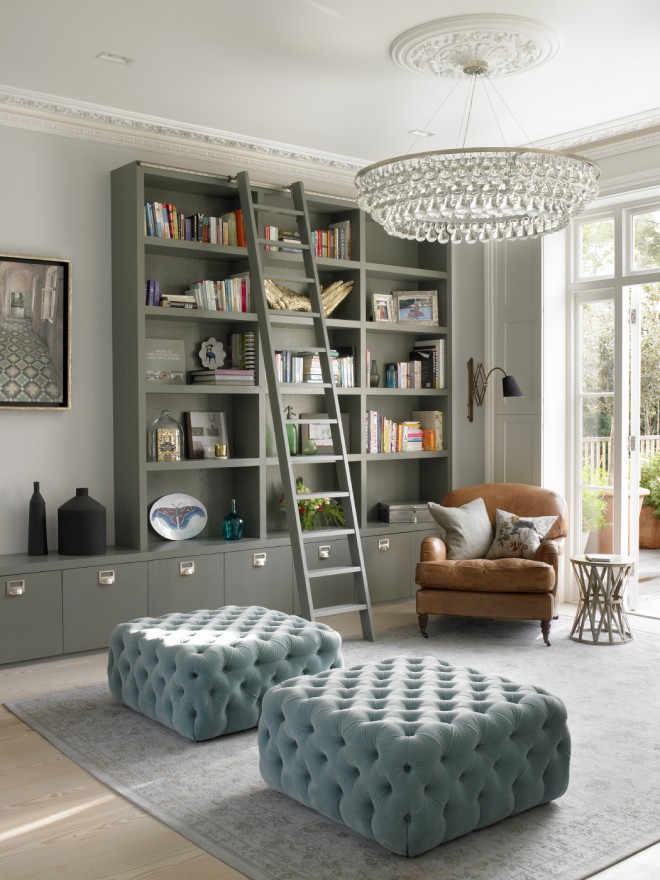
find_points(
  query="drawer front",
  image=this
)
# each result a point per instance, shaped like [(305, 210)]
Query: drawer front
[(30, 616), (97, 599), (261, 577), (387, 560), (188, 583)]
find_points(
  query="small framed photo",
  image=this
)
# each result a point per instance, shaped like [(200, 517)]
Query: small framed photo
[(35, 310), (321, 432), (416, 306), (382, 307)]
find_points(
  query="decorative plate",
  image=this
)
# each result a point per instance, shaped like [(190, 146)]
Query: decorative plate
[(177, 517), (211, 354)]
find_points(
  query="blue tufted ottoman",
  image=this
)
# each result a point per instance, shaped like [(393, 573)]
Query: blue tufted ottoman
[(413, 752), (204, 673)]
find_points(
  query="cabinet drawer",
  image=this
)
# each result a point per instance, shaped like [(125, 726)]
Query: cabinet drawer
[(97, 599), (187, 583), (249, 582), (30, 616), (387, 560)]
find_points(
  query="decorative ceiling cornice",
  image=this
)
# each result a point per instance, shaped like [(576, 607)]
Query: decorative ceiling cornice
[(46, 113), (276, 162)]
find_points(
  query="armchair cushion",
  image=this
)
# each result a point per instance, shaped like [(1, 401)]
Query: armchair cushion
[(468, 532), (487, 576), (518, 536)]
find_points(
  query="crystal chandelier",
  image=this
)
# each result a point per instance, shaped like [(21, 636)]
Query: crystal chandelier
[(482, 194)]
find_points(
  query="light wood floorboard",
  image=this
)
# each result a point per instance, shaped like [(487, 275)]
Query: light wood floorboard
[(58, 823)]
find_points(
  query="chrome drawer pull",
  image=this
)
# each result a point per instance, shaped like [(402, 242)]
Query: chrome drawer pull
[(383, 543), (15, 588), (187, 568), (324, 551), (107, 577), (258, 560)]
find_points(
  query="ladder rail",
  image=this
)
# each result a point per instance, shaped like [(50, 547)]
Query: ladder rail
[(316, 320)]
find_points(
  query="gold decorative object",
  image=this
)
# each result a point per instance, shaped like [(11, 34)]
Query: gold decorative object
[(284, 299)]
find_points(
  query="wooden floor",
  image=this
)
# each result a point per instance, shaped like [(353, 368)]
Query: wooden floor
[(58, 823)]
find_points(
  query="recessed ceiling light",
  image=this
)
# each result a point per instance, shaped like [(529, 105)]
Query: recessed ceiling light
[(419, 132), (115, 59)]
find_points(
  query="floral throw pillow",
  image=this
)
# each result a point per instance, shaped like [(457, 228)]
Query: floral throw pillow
[(518, 536)]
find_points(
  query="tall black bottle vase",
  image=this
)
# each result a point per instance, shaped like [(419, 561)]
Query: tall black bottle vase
[(37, 535), (81, 526)]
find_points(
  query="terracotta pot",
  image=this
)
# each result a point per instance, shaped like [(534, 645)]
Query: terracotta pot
[(649, 529), (605, 534)]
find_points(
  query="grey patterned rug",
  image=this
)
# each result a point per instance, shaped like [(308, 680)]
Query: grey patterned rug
[(212, 792)]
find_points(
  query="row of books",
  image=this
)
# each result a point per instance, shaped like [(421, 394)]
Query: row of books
[(431, 353), (229, 295), (163, 220), (422, 433), (299, 368), (241, 350), (333, 243)]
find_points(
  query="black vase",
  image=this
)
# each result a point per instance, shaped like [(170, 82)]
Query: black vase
[(37, 537), (81, 526)]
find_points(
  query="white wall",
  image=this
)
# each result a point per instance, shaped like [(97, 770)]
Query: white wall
[(467, 282)]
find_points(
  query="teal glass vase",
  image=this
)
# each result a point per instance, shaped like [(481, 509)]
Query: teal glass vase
[(232, 524)]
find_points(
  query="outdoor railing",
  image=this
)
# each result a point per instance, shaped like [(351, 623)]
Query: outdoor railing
[(597, 451)]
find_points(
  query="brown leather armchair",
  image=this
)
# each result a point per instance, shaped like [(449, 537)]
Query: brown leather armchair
[(520, 589)]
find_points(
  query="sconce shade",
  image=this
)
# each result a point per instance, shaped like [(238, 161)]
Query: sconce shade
[(510, 387)]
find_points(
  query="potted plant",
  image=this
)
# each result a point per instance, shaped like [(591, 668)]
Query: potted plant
[(315, 512), (649, 518)]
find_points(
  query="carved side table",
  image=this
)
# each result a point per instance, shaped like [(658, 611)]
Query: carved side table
[(601, 618)]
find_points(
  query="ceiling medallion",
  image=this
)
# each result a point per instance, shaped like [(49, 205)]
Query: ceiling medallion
[(480, 194), (506, 43)]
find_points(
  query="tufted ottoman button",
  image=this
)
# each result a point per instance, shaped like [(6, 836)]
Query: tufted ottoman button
[(353, 729), (197, 661)]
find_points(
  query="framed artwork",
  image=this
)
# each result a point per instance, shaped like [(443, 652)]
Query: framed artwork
[(35, 333), (321, 433), (416, 306), (206, 434), (382, 307)]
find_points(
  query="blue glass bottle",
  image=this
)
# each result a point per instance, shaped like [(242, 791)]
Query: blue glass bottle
[(390, 376), (232, 524)]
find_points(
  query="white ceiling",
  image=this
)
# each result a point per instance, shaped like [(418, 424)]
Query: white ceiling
[(317, 74)]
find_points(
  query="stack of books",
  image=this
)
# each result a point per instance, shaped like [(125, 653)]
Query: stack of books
[(221, 376), (175, 301), (386, 435), (432, 431), (286, 240)]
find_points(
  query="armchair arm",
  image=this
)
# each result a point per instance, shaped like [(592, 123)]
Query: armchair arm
[(433, 549), (550, 551)]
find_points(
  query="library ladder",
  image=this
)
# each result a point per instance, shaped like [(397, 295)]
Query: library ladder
[(268, 321)]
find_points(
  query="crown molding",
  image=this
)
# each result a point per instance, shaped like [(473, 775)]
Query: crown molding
[(277, 162)]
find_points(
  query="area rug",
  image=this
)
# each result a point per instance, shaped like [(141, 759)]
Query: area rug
[(213, 794)]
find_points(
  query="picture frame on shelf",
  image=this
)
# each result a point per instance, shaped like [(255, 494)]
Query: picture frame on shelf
[(382, 308), (206, 435), (321, 433), (165, 361), (416, 307), (35, 299)]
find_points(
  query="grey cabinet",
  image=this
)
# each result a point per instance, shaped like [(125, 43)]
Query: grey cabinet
[(333, 589), (95, 599), (187, 583), (387, 559), (30, 616), (260, 577)]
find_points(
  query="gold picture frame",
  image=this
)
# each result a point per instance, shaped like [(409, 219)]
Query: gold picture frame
[(382, 308)]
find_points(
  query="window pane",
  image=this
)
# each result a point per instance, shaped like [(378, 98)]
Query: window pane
[(596, 249), (597, 428), (598, 346), (646, 240)]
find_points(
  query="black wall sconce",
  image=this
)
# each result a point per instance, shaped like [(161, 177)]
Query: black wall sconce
[(478, 383)]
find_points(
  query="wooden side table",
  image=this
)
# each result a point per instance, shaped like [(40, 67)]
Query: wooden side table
[(601, 618)]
